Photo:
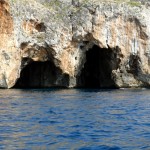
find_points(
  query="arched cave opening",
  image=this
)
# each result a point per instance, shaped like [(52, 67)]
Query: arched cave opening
[(97, 70), (37, 75)]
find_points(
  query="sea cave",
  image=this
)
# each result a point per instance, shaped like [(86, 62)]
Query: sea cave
[(37, 75), (97, 70)]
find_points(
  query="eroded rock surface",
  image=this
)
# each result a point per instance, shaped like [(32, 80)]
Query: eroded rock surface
[(105, 44)]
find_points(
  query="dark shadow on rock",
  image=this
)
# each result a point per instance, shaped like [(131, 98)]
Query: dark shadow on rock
[(97, 71), (37, 75), (135, 69)]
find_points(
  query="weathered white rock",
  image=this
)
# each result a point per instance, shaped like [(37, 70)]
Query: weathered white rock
[(35, 31)]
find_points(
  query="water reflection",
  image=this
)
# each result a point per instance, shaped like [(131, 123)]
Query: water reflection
[(74, 119)]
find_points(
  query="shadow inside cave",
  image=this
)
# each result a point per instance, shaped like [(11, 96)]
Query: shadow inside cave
[(37, 75), (97, 71)]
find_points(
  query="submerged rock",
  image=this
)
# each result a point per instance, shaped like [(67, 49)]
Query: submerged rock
[(74, 43)]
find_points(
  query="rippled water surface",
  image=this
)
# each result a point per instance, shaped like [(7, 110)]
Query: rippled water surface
[(75, 119)]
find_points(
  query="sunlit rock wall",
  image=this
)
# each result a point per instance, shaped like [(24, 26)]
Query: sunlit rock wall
[(36, 31)]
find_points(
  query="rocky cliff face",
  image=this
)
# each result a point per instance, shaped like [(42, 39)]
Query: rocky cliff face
[(105, 44)]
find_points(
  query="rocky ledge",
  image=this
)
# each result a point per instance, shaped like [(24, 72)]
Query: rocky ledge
[(67, 43)]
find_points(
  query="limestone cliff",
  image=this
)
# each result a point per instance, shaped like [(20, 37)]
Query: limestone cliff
[(74, 43)]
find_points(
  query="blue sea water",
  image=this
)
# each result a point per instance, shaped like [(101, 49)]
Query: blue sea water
[(75, 119)]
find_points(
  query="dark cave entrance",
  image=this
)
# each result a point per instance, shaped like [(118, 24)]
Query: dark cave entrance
[(97, 71), (37, 75)]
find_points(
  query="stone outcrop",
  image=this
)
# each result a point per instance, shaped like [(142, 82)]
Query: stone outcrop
[(74, 44)]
